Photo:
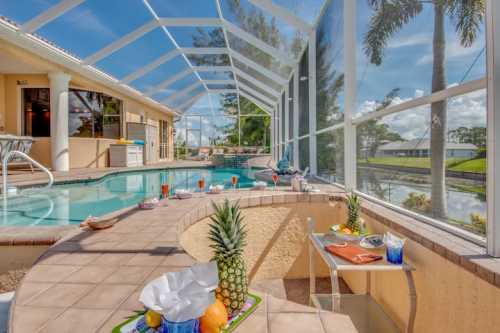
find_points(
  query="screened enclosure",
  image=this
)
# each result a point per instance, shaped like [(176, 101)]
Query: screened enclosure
[(354, 88)]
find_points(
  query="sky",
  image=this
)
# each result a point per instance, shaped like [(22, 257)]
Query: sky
[(407, 61)]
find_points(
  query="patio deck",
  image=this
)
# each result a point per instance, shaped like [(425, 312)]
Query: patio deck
[(91, 281)]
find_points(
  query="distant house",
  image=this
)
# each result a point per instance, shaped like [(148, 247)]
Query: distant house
[(421, 148)]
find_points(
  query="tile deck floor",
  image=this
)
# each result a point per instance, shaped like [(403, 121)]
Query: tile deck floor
[(90, 282)]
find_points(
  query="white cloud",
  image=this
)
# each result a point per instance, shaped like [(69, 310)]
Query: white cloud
[(466, 110), (413, 40), (84, 19), (453, 50)]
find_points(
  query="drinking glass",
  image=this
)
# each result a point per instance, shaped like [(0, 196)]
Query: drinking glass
[(234, 181), (276, 178), (201, 185), (164, 191), (394, 254)]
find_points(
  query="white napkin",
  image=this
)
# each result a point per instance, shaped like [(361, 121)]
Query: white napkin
[(183, 295)]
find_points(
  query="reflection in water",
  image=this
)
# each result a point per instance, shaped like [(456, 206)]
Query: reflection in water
[(72, 203), (396, 188)]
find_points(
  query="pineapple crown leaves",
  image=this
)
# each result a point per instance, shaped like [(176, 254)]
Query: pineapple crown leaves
[(227, 232), (353, 204)]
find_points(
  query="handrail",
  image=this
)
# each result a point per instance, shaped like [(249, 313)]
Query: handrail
[(5, 163)]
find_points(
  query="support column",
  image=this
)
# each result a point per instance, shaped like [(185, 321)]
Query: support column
[(59, 141), (493, 125), (296, 118), (313, 159), (350, 94)]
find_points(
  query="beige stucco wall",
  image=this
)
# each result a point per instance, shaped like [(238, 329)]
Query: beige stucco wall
[(84, 152), (450, 298)]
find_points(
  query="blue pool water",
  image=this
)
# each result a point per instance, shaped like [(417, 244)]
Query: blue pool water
[(72, 203)]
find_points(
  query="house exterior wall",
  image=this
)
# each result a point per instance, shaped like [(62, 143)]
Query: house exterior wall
[(84, 152), (456, 153)]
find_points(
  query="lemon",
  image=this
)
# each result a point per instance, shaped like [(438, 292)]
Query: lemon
[(152, 318)]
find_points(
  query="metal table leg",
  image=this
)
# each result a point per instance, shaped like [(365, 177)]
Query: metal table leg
[(312, 274), (413, 301), (334, 276)]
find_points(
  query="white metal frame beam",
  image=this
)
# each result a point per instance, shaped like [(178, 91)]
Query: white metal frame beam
[(256, 82), (266, 108), (189, 22), (213, 68), (181, 93), (49, 15), (120, 43), (493, 127), (220, 81), (191, 100), (168, 82), (223, 91), (312, 102), (283, 14), (150, 67), (204, 50), (279, 55), (350, 94), (264, 71), (257, 94)]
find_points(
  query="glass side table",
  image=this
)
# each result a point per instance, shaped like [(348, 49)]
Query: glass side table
[(366, 314)]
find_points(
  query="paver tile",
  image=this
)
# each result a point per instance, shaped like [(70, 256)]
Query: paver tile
[(61, 295), (106, 296)]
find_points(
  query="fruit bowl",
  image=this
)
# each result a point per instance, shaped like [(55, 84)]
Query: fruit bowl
[(341, 232)]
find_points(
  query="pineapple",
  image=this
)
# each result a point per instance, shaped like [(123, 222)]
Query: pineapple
[(228, 238), (353, 206)]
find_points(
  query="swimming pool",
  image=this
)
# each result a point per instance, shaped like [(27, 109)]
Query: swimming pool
[(71, 203)]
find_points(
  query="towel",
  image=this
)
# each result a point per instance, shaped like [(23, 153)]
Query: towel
[(352, 253)]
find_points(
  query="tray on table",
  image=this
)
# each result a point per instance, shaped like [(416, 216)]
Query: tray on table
[(135, 324)]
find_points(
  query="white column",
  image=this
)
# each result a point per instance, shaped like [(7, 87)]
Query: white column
[(312, 103), (273, 154), (287, 114), (493, 123), (296, 118), (59, 142), (350, 94)]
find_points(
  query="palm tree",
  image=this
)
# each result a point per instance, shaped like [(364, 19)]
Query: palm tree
[(389, 17)]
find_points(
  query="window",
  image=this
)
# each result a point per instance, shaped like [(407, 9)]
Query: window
[(36, 112), (330, 155), (429, 158), (330, 67), (304, 95), (303, 153), (94, 115)]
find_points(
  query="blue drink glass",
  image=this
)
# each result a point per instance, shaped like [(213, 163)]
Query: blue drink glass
[(394, 255), (188, 326)]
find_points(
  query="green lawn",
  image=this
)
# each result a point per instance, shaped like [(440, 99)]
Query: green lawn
[(455, 164), (477, 166)]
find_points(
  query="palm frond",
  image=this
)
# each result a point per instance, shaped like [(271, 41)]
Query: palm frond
[(389, 18), (468, 16)]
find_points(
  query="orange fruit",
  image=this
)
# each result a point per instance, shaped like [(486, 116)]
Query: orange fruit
[(347, 231), (214, 319)]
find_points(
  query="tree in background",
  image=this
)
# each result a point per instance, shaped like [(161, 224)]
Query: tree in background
[(389, 17), (371, 134), (474, 135), (329, 84)]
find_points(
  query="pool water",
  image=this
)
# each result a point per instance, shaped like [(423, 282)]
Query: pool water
[(72, 203)]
